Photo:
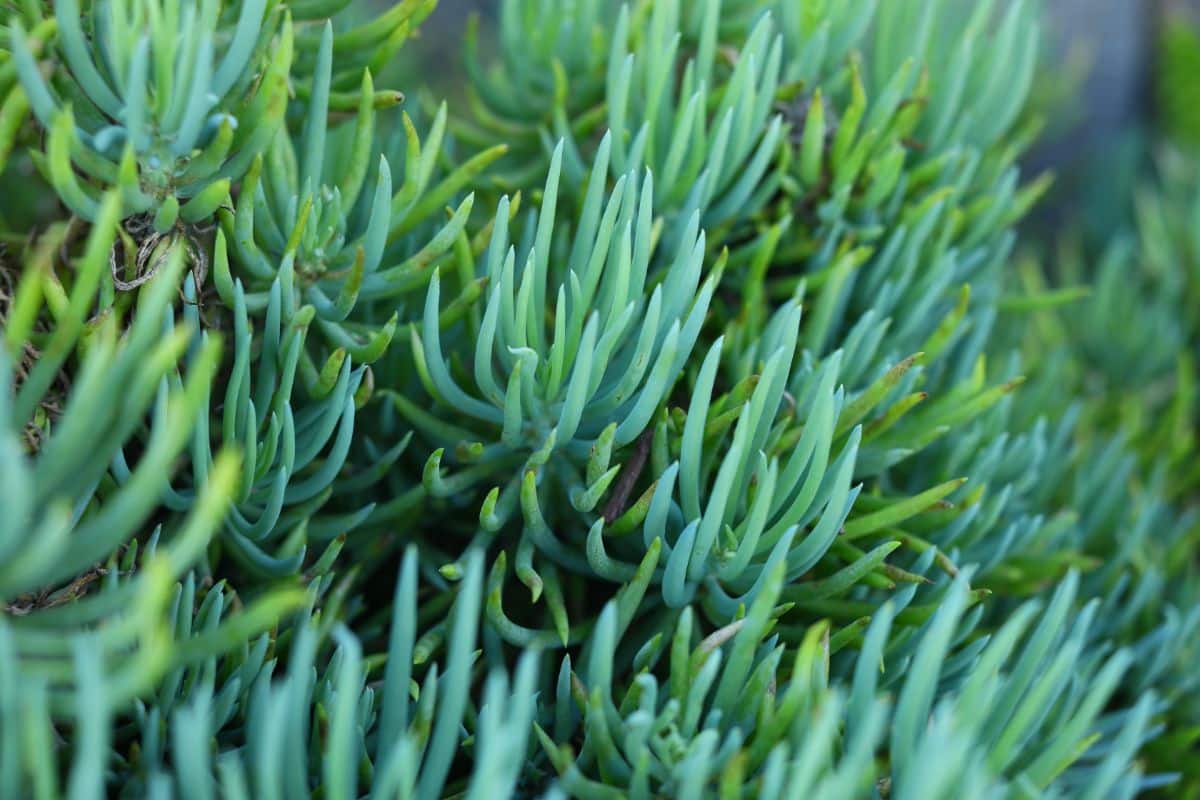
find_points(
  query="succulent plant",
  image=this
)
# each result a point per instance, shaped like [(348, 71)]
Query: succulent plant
[(705, 320)]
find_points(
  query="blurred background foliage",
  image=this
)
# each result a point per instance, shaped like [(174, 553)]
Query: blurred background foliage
[(1118, 78), (1117, 75)]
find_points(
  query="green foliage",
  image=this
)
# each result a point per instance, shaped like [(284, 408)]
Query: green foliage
[(1137, 414), (1175, 93), (169, 103), (721, 344)]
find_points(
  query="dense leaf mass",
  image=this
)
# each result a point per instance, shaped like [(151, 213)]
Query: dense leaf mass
[(671, 415)]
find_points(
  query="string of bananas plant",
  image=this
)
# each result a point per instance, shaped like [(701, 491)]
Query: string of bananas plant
[(701, 319)]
